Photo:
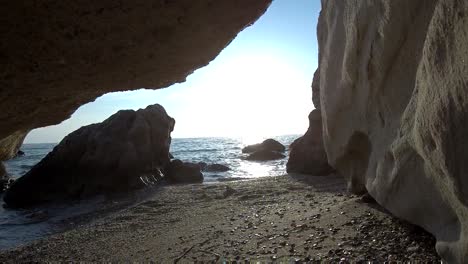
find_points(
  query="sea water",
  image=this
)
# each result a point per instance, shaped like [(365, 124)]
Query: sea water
[(22, 226)]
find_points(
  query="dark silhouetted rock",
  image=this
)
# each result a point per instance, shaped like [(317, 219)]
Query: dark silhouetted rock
[(216, 168), (263, 155), (20, 153), (171, 156), (268, 144), (3, 172), (202, 165), (99, 158), (183, 172), (307, 153)]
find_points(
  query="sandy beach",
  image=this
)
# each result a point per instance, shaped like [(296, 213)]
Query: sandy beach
[(284, 219)]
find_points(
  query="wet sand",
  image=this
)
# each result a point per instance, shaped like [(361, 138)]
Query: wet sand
[(285, 218)]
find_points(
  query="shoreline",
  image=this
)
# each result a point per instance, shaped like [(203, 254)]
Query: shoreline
[(282, 218)]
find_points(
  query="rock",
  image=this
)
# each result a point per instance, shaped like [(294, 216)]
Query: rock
[(106, 49), (20, 153), (3, 173), (170, 156), (307, 153), (99, 158), (394, 102), (202, 165), (183, 172), (9, 146), (263, 155), (268, 144), (216, 168), (5, 180), (366, 198)]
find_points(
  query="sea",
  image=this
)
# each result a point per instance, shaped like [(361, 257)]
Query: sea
[(22, 226)]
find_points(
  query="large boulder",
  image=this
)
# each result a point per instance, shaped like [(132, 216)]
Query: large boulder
[(307, 154), (268, 144), (264, 155), (99, 158), (178, 171), (394, 102)]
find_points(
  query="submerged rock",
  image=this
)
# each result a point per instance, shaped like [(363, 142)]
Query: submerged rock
[(202, 165), (268, 144), (99, 158), (183, 172), (264, 155), (216, 168), (307, 153)]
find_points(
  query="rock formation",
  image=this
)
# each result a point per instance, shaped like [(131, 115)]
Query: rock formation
[(268, 144), (178, 171), (307, 153), (99, 158), (393, 86), (394, 101), (60, 55)]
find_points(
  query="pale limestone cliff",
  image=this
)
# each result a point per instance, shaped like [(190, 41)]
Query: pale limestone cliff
[(394, 99), (57, 55)]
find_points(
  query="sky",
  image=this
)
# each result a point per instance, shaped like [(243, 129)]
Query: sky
[(259, 85)]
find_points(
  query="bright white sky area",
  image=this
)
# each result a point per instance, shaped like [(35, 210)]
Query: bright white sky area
[(258, 86)]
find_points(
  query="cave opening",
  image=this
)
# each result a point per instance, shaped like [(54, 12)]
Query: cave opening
[(258, 87)]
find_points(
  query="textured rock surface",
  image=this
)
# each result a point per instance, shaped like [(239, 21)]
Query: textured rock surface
[(307, 153), (183, 172), (99, 158), (60, 55), (3, 172), (267, 144), (394, 97)]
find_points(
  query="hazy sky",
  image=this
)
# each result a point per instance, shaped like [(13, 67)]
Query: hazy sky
[(257, 86)]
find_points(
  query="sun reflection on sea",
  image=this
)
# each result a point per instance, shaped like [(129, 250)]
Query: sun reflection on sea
[(254, 169)]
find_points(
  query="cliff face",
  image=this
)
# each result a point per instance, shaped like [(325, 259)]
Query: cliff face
[(57, 55), (394, 101)]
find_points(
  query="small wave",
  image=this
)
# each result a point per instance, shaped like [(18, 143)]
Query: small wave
[(195, 150)]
